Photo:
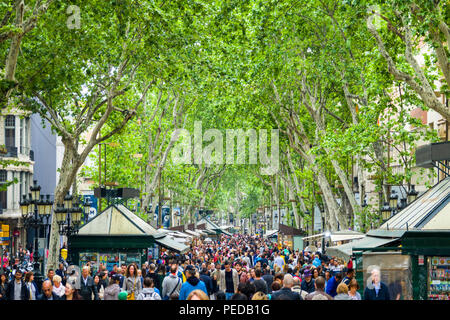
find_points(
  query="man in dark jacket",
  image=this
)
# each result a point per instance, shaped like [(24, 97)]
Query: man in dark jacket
[(62, 273), (260, 283), (285, 293), (87, 286), (47, 292), (204, 276), (268, 278), (17, 289), (377, 290), (308, 282), (155, 277)]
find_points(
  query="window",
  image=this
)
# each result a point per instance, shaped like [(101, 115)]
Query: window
[(3, 193), (27, 189), (27, 133), (22, 136), (10, 131), (13, 190), (22, 189)]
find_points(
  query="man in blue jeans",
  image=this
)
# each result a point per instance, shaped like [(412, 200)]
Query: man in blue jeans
[(229, 280)]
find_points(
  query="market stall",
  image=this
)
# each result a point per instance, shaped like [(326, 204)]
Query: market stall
[(287, 234), (429, 251), (117, 236)]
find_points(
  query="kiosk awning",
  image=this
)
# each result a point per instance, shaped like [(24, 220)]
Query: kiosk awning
[(346, 250), (195, 234), (316, 236), (270, 233), (170, 244), (345, 237)]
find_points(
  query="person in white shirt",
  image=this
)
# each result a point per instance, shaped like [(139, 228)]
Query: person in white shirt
[(58, 288), (279, 261), (31, 286)]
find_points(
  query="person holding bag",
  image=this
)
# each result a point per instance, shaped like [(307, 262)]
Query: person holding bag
[(132, 283), (171, 283)]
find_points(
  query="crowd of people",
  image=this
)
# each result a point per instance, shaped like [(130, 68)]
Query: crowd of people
[(238, 267)]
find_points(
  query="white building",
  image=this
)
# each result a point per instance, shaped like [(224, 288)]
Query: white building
[(15, 137)]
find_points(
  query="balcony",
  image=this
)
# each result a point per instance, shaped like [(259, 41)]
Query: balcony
[(27, 152)]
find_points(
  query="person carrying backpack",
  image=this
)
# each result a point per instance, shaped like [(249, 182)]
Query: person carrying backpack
[(148, 293)]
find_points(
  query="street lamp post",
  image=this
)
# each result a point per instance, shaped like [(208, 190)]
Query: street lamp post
[(393, 201), (412, 195), (87, 209), (68, 216), (386, 211), (35, 211), (307, 214)]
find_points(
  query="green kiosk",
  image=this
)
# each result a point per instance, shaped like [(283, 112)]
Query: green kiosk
[(117, 236), (412, 249)]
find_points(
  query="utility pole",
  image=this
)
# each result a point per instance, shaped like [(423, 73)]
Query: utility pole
[(279, 211), (313, 208), (271, 211), (159, 201), (100, 176)]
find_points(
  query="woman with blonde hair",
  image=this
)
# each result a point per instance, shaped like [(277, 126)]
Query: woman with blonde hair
[(197, 295), (260, 296), (58, 288), (342, 292), (276, 268)]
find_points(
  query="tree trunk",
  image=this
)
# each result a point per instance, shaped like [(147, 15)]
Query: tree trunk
[(69, 168), (335, 214), (355, 207)]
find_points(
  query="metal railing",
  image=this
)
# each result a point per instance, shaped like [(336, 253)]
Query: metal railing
[(11, 152)]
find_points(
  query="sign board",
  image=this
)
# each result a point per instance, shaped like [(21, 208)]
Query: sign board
[(421, 258), (165, 217), (64, 253), (5, 235), (92, 213)]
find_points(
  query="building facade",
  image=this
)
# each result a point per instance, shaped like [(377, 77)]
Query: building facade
[(17, 154)]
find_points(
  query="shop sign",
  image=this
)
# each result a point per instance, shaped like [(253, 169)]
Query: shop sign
[(440, 261)]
